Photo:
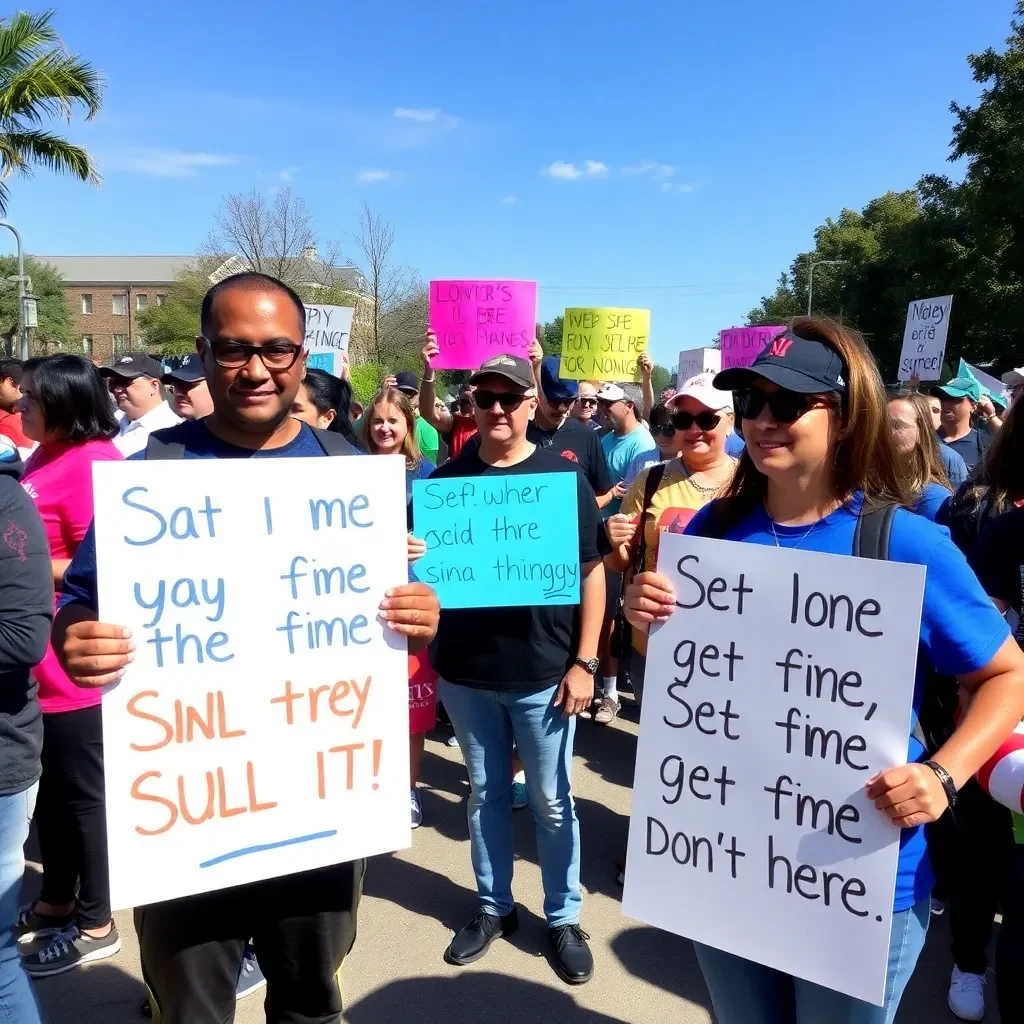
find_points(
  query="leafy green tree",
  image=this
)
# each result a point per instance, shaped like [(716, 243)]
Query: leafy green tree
[(40, 80), (54, 330), (172, 327), (662, 377)]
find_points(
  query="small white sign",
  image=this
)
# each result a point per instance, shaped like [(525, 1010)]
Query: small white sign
[(697, 360), (328, 330), (924, 338), (262, 729), (781, 684)]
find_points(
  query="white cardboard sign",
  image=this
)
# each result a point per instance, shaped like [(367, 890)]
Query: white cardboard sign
[(697, 360), (750, 828), (924, 338), (328, 330), (263, 727)]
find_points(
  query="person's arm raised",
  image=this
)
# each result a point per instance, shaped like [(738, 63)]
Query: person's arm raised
[(646, 365), (438, 419)]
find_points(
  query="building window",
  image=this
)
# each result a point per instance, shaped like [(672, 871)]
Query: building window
[(161, 299), (141, 301), (120, 342), (119, 305), (87, 344), (86, 303)]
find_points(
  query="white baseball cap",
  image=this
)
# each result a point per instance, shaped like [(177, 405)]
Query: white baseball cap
[(1013, 378), (703, 389)]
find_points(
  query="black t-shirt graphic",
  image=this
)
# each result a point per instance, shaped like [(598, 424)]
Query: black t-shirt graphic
[(522, 648)]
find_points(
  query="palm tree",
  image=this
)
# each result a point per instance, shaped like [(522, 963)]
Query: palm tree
[(39, 79)]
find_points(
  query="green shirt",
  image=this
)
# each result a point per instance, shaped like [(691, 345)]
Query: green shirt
[(427, 439)]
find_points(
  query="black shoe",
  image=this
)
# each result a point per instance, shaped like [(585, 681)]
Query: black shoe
[(573, 959), (473, 941)]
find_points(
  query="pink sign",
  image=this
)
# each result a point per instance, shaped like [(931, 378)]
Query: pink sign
[(742, 345), (475, 320)]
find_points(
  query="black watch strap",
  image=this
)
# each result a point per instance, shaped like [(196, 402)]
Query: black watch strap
[(947, 782)]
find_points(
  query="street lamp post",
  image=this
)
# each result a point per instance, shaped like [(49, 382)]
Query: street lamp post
[(810, 278), (22, 319)]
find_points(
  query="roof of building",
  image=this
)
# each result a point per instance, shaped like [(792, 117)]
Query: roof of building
[(118, 269), (164, 269)]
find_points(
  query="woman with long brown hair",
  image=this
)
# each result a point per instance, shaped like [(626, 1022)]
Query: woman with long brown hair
[(917, 449), (814, 416)]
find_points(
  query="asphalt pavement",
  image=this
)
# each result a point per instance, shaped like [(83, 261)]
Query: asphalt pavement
[(414, 900)]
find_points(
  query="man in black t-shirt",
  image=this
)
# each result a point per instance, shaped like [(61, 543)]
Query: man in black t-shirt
[(522, 674)]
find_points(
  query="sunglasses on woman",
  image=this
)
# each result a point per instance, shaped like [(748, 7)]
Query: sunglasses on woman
[(508, 400), (785, 406), (704, 420)]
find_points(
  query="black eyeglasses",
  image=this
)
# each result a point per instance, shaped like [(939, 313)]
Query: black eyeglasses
[(275, 355), (704, 420), (785, 406), (508, 400)]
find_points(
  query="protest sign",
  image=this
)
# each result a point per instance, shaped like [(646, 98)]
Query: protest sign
[(475, 320), (924, 338), (499, 541), (781, 684), (328, 330), (600, 343), (740, 346), (996, 388), (697, 360), (262, 728)]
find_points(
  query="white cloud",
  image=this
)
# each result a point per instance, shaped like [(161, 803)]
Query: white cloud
[(165, 163), (679, 186), (650, 169), (510, 200), (564, 171), (286, 174), (368, 177), (421, 114)]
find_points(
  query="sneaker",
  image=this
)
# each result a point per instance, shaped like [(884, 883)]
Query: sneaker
[(967, 995), (607, 711), (250, 978), (32, 925), (68, 950), (452, 741), (520, 799), (938, 907), (415, 807)]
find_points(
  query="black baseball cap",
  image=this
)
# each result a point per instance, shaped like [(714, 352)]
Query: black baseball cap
[(132, 365), (513, 368), (794, 363), (190, 371), (407, 382)]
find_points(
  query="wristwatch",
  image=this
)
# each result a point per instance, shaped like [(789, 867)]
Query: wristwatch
[(590, 667)]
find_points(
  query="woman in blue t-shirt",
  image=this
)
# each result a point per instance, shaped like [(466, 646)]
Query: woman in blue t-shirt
[(917, 449), (817, 430)]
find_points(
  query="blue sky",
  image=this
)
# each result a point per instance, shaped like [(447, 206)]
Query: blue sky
[(671, 155)]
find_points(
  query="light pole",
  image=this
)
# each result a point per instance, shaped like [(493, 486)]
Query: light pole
[(22, 319), (810, 278)]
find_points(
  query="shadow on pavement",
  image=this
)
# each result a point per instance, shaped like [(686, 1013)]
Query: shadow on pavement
[(469, 999), (100, 994), (664, 960)]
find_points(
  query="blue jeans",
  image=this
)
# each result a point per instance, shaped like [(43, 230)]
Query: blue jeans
[(743, 992), (486, 723), (17, 1000)]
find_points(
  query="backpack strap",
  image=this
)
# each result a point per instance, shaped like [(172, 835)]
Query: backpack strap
[(333, 444), (157, 449), (871, 536)]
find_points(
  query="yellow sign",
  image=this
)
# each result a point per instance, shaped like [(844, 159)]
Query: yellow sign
[(599, 343)]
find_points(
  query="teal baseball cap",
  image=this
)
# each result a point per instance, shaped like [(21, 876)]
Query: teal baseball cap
[(959, 387)]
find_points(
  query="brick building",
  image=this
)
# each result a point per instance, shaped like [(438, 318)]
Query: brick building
[(106, 293)]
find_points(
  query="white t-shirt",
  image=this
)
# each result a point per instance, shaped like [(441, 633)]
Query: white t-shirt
[(135, 433)]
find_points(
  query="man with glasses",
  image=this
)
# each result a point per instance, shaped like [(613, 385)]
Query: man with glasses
[(585, 409), (134, 381), (190, 394), (521, 675), (251, 347)]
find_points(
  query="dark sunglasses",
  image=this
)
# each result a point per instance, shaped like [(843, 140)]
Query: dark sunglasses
[(704, 420), (590, 403), (508, 400), (665, 430), (785, 406)]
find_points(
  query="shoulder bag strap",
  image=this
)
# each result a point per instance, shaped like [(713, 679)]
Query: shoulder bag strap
[(654, 477)]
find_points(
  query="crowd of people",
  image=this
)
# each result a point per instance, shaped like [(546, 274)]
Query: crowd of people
[(790, 451)]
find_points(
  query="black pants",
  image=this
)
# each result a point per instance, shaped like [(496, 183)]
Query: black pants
[(1010, 948), (302, 926), (71, 815), (971, 864)]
